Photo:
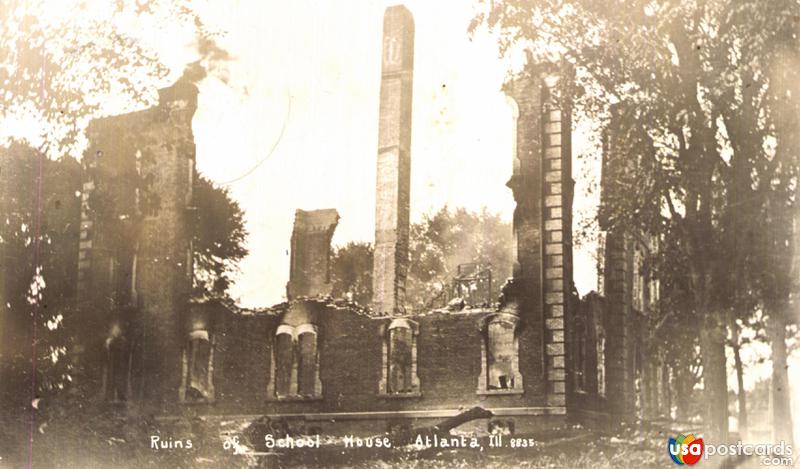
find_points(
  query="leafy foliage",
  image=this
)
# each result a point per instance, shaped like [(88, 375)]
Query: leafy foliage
[(438, 244), (219, 237), (57, 68), (700, 105), (39, 248), (62, 64), (351, 272), (448, 238)]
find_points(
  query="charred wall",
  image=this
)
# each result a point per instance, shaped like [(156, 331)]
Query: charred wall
[(350, 367), (135, 262)]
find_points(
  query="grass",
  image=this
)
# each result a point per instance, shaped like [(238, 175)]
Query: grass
[(102, 440)]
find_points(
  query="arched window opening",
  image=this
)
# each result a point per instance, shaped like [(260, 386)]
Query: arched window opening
[(197, 381), (638, 372), (638, 288), (399, 377), (307, 360), (500, 356), (601, 362), (295, 363), (400, 359), (284, 360)]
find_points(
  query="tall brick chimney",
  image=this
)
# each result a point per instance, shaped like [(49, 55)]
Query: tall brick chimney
[(309, 272), (394, 162)]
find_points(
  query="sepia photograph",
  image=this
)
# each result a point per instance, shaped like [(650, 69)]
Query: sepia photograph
[(413, 234)]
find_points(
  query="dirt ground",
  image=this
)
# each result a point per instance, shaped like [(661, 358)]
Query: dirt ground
[(103, 441)]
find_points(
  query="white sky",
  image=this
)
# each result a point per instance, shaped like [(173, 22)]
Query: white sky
[(291, 120), (311, 72)]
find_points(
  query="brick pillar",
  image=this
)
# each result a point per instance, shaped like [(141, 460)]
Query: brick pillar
[(619, 344), (557, 223), (617, 286), (142, 165), (394, 162), (526, 185), (163, 261), (309, 271), (542, 186)]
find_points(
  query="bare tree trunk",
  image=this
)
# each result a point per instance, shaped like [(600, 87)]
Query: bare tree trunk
[(683, 391), (715, 382), (781, 400), (742, 394), (667, 390)]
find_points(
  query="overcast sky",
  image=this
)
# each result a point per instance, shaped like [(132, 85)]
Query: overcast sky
[(304, 94)]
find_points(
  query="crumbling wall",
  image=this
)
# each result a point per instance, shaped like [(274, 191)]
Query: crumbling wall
[(136, 229), (309, 273), (591, 394), (350, 367), (542, 186)]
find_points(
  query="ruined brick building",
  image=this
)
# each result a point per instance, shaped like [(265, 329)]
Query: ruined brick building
[(537, 358)]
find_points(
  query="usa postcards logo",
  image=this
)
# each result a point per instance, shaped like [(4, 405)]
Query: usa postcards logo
[(686, 449)]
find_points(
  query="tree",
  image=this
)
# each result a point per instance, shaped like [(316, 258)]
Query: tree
[(351, 272), (38, 261), (697, 74), (448, 238), (57, 69), (674, 326), (775, 282), (438, 244), (218, 239), (779, 269)]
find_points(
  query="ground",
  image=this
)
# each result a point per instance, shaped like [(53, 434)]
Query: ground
[(84, 440), (100, 440)]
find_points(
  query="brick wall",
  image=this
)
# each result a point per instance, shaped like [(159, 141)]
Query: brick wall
[(137, 222), (350, 361), (542, 186), (309, 273), (619, 361)]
